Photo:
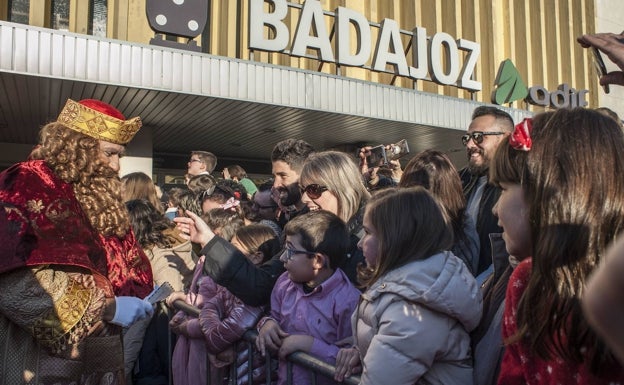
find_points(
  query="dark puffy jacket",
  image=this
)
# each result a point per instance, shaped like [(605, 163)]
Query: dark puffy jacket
[(225, 318), (487, 338), (487, 223), (230, 268)]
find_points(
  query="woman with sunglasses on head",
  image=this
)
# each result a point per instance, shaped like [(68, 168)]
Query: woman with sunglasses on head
[(331, 180), (565, 207)]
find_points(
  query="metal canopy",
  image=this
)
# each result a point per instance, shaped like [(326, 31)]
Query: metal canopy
[(190, 101)]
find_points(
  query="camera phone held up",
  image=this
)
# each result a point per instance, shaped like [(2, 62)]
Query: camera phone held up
[(381, 155)]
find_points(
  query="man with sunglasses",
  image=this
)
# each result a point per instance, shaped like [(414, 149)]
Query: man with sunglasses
[(490, 126)]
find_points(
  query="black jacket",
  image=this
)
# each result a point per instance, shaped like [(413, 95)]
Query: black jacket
[(253, 284), (230, 268), (487, 223), (487, 339)]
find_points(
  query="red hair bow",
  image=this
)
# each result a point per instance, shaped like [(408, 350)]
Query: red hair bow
[(520, 139)]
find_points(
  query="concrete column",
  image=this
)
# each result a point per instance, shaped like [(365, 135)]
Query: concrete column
[(138, 153)]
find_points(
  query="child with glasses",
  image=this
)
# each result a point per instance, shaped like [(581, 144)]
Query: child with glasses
[(312, 302)]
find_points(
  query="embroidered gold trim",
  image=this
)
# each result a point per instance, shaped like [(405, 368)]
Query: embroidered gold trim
[(68, 311), (98, 125)]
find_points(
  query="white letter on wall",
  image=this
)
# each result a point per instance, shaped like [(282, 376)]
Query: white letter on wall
[(389, 34), (258, 19), (312, 17), (470, 63), (419, 53), (344, 19), (449, 74)]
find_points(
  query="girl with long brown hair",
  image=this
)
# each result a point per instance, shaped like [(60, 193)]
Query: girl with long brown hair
[(565, 208)]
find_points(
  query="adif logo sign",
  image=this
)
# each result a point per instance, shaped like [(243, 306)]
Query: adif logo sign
[(510, 87)]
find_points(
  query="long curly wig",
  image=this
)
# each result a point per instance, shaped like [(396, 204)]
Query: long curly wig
[(75, 159)]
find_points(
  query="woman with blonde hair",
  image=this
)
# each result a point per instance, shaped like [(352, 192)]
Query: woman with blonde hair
[(331, 180)]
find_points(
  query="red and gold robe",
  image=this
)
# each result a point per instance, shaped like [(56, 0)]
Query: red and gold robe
[(55, 273)]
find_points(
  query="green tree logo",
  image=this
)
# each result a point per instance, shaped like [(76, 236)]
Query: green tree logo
[(508, 86)]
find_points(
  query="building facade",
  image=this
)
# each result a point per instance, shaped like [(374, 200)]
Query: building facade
[(234, 77)]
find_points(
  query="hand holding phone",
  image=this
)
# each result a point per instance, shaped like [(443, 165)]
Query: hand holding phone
[(600, 67), (377, 157)]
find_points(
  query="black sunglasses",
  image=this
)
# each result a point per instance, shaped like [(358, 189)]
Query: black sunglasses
[(477, 136), (314, 191)]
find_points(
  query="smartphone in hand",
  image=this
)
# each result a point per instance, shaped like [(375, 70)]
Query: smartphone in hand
[(600, 67), (377, 156)]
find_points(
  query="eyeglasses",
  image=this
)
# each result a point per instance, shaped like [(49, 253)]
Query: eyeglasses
[(477, 136), (314, 191), (195, 160), (288, 253)]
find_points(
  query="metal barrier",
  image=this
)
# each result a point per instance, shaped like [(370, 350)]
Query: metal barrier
[(313, 364)]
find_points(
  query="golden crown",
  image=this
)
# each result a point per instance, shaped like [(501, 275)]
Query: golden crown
[(98, 125)]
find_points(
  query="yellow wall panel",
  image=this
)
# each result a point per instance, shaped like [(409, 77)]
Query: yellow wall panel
[(40, 13), (4, 8), (117, 23), (138, 26), (537, 35), (79, 16), (566, 39)]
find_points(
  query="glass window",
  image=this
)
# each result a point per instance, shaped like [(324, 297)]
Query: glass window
[(19, 11), (98, 18), (60, 15)]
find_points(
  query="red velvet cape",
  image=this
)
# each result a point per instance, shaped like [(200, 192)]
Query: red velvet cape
[(41, 222)]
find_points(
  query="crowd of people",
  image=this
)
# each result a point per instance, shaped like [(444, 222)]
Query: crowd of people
[(504, 272)]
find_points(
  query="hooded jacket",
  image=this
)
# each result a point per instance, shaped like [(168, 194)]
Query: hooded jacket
[(411, 326)]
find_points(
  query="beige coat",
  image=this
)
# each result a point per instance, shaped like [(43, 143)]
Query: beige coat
[(175, 264)]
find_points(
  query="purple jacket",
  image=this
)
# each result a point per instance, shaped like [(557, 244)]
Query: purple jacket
[(224, 319), (324, 314), (190, 355)]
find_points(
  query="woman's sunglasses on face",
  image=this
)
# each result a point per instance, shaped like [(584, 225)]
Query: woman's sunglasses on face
[(314, 191), (478, 136)]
